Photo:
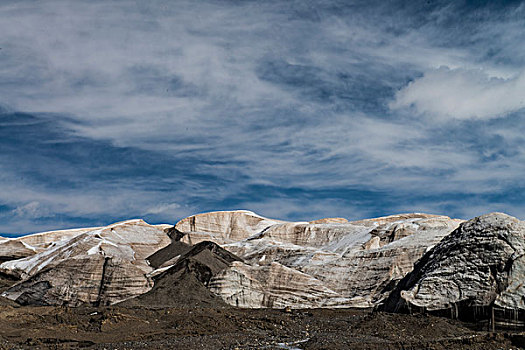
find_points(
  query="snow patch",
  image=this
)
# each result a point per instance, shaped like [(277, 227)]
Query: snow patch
[(29, 246), (94, 250)]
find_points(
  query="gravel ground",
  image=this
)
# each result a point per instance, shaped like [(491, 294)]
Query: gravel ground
[(230, 328)]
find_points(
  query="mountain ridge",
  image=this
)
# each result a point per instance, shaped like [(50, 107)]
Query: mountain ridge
[(241, 259)]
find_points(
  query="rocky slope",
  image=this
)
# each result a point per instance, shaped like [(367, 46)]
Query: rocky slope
[(21, 247), (222, 227), (481, 264), (474, 268), (327, 263), (242, 259), (323, 263), (185, 283), (98, 266)]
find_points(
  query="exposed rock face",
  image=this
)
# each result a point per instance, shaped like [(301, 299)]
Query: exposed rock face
[(482, 263), (316, 265), (235, 257), (41, 241), (21, 247), (329, 221), (11, 249), (168, 255), (273, 286), (222, 226), (101, 266)]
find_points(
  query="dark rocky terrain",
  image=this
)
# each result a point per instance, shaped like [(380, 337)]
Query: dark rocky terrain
[(231, 328), (184, 285)]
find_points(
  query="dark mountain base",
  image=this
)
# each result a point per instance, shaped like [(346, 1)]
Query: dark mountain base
[(169, 252), (483, 317), (229, 328), (6, 281), (185, 284)]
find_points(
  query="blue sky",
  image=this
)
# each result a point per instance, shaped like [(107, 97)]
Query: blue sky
[(297, 110)]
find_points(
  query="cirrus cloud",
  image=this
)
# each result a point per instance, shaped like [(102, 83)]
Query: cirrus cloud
[(295, 109), (462, 94)]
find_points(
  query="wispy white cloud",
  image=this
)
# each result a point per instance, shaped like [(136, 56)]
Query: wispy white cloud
[(30, 210), (277, 94), (169, 208), (462, 94), (37, 208)]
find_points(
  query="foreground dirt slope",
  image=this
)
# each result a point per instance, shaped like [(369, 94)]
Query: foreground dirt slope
[(229, 328), (185, 283)]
